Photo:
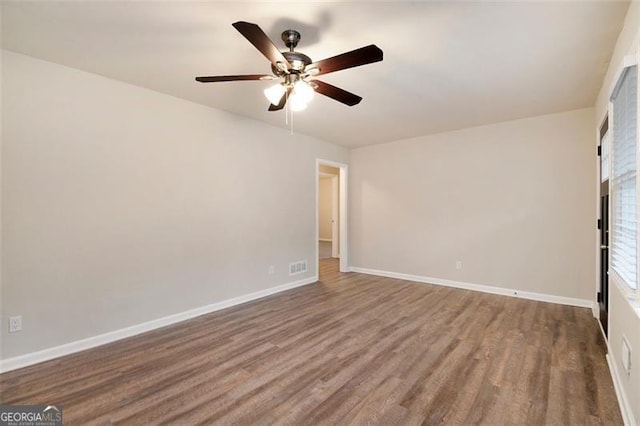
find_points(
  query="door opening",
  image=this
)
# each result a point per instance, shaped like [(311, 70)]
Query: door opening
[(328, 218), (603, 226), (331, 212)]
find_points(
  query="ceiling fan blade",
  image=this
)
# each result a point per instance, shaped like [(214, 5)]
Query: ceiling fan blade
[(337, 93), (355, 58), (261, 41), (283, 101), (217, 78)]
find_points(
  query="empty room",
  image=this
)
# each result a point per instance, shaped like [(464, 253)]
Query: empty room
[(301, 213)]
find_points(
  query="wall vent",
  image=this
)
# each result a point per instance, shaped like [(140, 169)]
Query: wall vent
[(299, 267)]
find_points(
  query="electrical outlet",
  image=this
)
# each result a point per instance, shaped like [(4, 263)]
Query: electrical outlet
[(458, 264), (272, 270), (15, 324)]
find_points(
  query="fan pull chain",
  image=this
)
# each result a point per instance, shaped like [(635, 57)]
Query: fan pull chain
[(292, 122), (288, 114), (286, 111)]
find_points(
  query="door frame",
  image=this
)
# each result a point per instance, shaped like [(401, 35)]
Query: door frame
[(343, 219), (603, 189)]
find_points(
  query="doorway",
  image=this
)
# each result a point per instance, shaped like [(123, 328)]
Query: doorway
[(331, 213), (328, 213), (603, 226)]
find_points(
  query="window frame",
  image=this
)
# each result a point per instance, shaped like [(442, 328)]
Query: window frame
[(632, 295)]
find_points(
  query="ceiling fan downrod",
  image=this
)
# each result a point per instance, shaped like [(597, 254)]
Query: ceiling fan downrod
[(290, 39)]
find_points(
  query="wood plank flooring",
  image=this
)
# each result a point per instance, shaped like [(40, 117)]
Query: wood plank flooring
[(351, 349)]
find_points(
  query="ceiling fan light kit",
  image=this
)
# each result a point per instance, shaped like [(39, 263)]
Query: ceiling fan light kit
[(274, 93), (296, 72)]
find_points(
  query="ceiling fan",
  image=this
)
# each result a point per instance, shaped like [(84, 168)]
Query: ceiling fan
[(296, 72)]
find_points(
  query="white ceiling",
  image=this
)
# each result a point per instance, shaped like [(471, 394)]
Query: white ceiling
[(447, 65)]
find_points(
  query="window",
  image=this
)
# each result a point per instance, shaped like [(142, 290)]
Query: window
[(623, 178)]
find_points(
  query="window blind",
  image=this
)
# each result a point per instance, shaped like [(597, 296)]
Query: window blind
[(623, 178)]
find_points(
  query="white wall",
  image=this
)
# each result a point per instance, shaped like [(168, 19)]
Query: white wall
[(623, 320), (121, 205), (513, 201), (2, 323), (325, 201)]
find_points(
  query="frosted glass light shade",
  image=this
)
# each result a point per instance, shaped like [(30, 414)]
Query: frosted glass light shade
[(303, 91), (297, 104), (274, 93)]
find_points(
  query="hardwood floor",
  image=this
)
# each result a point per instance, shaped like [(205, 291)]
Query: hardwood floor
[(351, 349)]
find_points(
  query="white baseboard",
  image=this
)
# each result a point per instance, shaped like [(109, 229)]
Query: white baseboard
[(325, 240), (623, 401), (584, 303), (604, 335), (625, 408), (91, 342)]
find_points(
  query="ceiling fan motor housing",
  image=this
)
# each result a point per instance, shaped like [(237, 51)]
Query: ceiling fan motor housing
[(297, 60)]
